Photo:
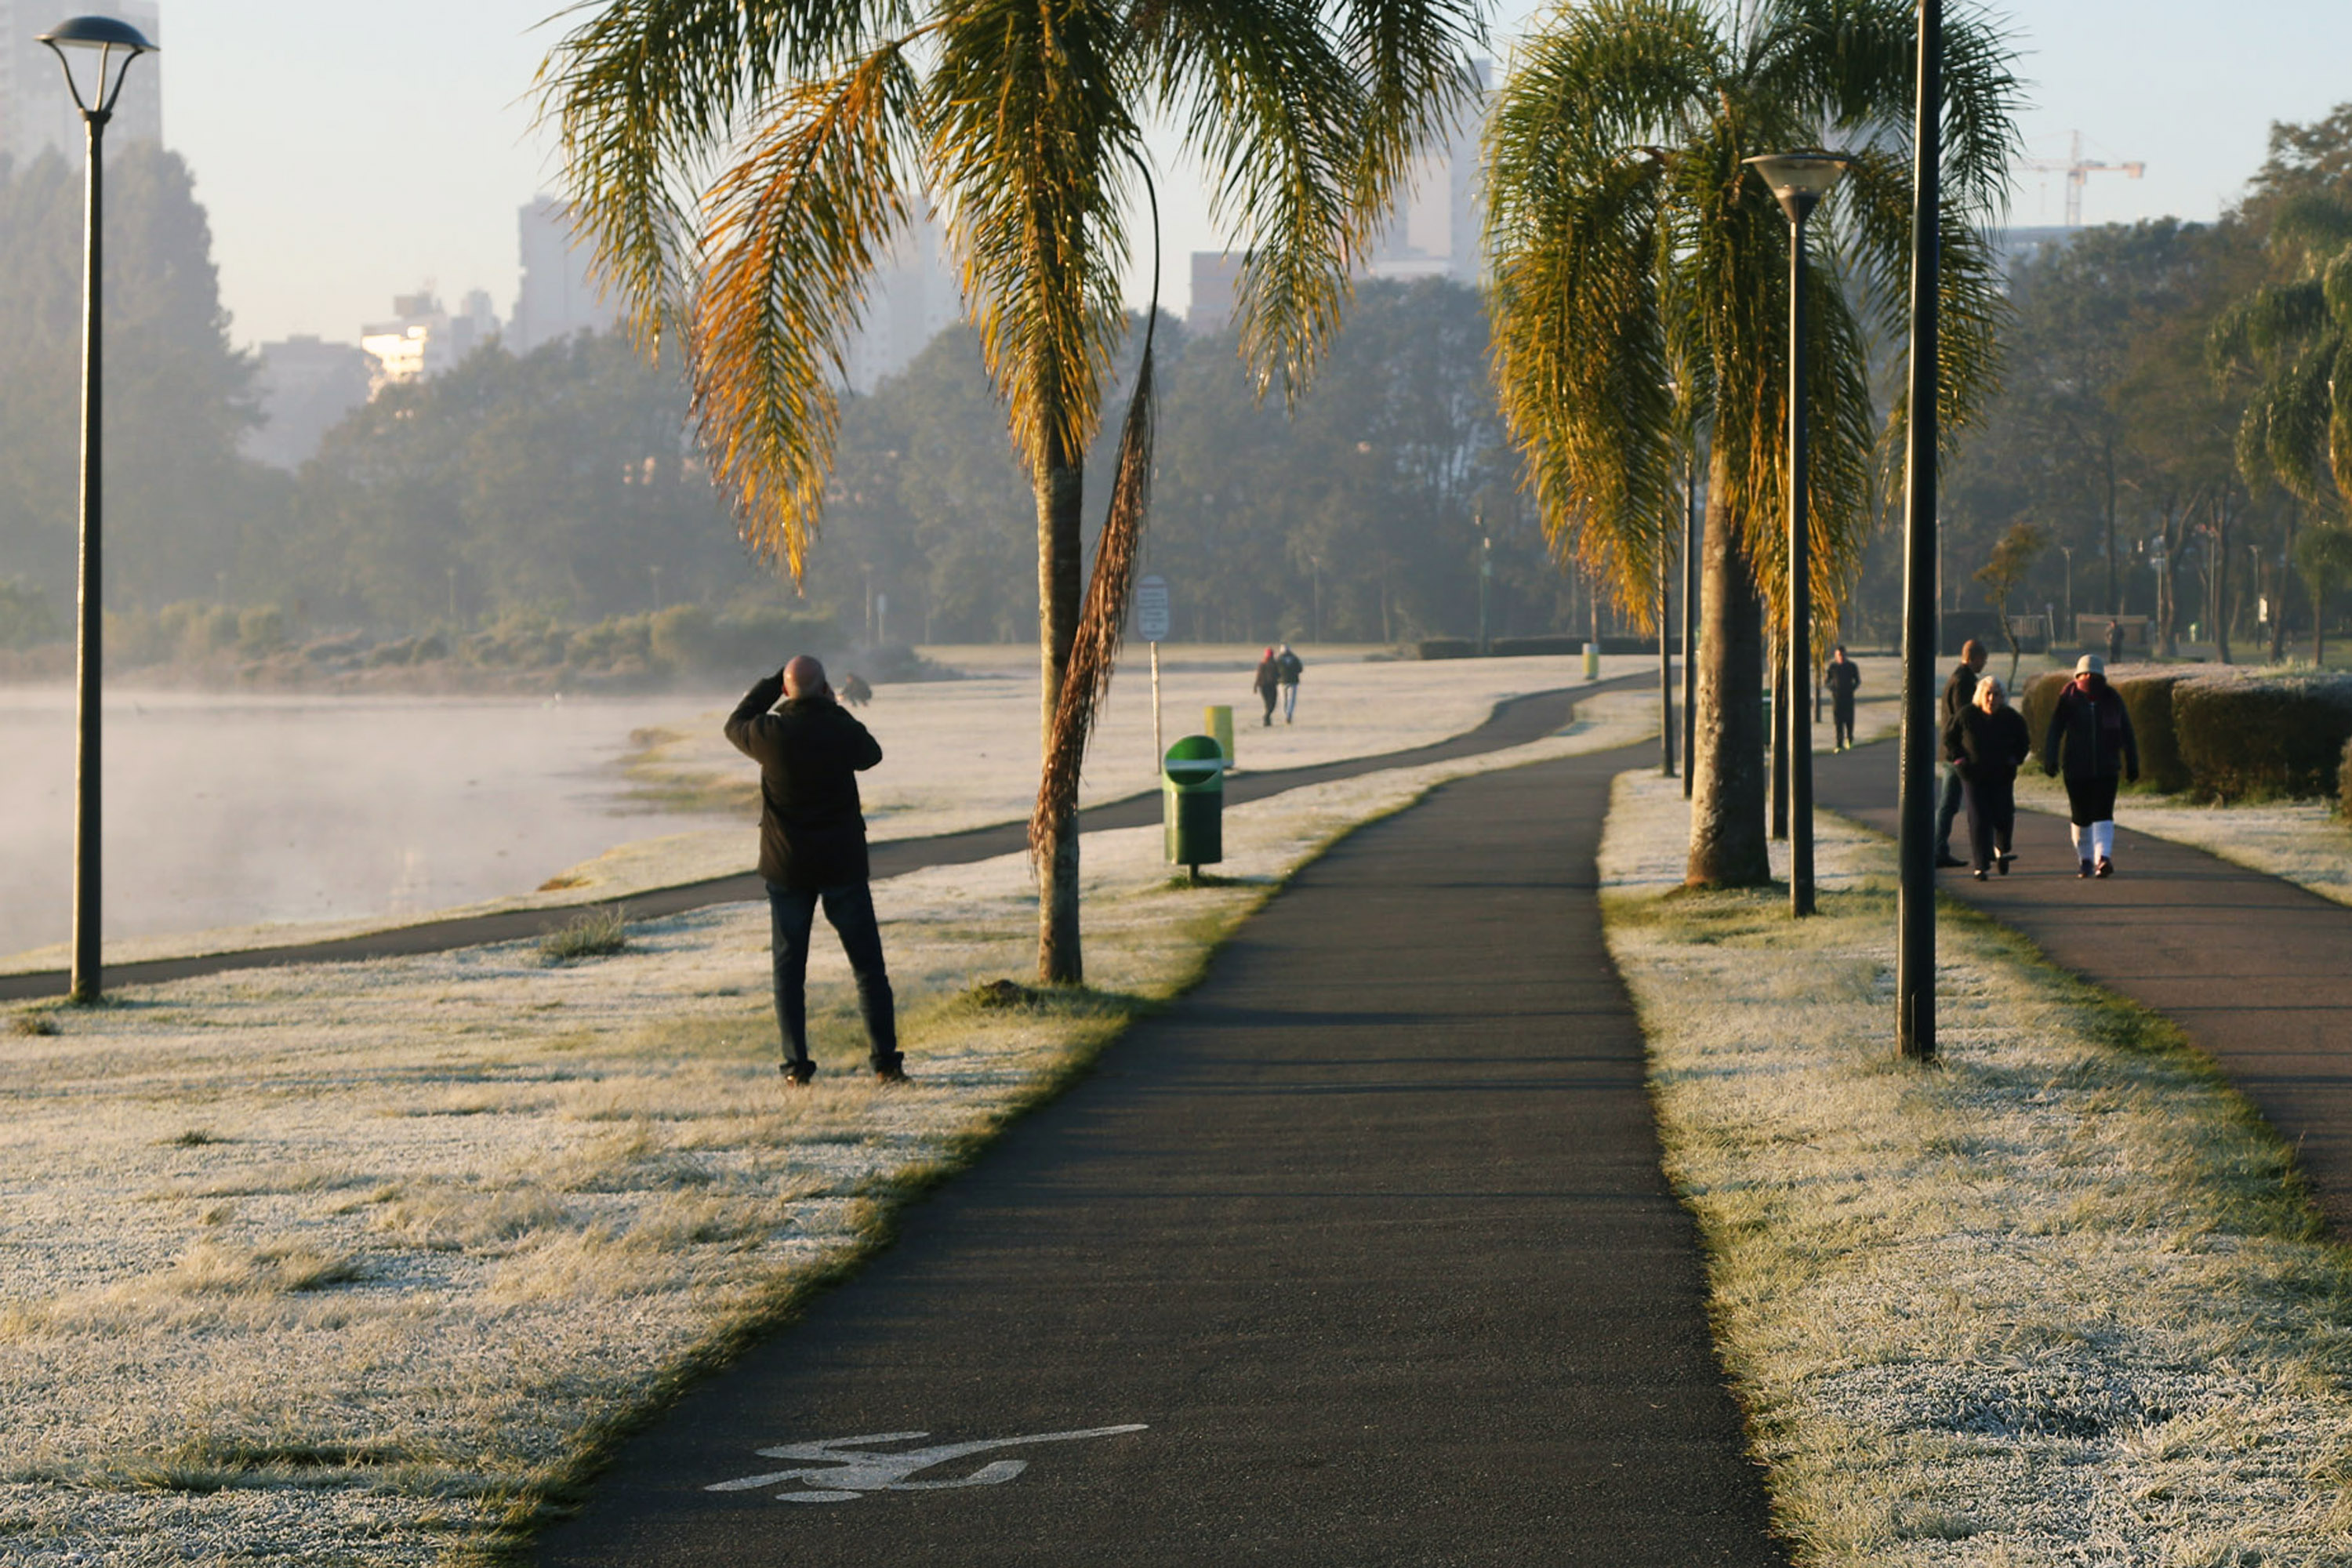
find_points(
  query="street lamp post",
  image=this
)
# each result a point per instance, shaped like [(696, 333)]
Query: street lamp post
[(1914, 920), (1485, 576), (110, 46), (1690, 624), (1800, 180), (2068, 551), (1665, 660)]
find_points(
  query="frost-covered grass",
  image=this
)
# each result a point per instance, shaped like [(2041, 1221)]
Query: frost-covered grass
[(2058, 1300), (367, 1263), (2304, 841)]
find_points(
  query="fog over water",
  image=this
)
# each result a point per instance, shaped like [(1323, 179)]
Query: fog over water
[(231, 809)]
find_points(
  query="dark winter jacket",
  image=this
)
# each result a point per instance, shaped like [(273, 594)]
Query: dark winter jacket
[(1959, 694), (1986, 746), (1288, 665), (810, 752), (2091, 732), (1844, 675), (1267, 679)]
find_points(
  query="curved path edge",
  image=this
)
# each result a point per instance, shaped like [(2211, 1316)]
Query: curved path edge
[(2256, 970), (1358, 1252), (1512, 722)]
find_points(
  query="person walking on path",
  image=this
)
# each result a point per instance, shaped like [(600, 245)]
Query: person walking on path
[(1986, 744), (813, 850), (1287, 667), (2115, 642), (2091, 738), (1844, 675), (1267, 683), (1959, 692)]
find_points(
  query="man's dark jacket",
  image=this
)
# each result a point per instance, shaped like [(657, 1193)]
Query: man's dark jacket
[(1844, 675), (1959, 695), (2091, 732), (810, 752)]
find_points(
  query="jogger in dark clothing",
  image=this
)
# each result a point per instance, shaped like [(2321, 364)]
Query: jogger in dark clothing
[(1986, 744), (813, 851), (1844, 675), (2091, 737)]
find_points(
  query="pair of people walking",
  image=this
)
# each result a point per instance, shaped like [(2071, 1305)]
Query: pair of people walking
[(1278, 679), (1986, 742)]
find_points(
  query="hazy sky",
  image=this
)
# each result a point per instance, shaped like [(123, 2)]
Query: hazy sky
[(351, 149)]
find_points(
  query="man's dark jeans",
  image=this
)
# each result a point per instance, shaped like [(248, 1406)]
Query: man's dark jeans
[(792, 915), (1947, 811)]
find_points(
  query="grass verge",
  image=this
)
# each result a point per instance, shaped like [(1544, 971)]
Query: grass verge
[(2058, 1300)]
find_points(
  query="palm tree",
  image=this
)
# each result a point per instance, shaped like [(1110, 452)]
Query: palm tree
[(740, 166), (2292, 340), (1641, 305)]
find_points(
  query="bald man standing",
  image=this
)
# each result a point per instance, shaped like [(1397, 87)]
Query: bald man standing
[(813, 850)]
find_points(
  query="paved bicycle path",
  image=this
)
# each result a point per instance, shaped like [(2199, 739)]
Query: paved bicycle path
[(2256, 970), (1514, 721), (1364, 1238)]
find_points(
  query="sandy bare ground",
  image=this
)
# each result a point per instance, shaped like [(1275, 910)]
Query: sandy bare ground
[(354, 1263)]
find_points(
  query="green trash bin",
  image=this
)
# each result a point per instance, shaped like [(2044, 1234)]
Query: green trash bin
[(1192, 802)]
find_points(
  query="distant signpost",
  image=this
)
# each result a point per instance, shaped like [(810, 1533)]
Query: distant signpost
[(1152, 626)]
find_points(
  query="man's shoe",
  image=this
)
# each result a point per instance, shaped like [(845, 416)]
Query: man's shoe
[(890, 1071), (797, 1073), (1978, 873), (2085, 869), (2000, 863), (2107, 868), (1946, 861)]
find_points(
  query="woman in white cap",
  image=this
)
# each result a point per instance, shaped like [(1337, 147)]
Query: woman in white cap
[(2091, 739)]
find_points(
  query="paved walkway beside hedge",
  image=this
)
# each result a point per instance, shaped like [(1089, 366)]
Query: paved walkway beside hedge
[(1359, 1254), (2256, 970)]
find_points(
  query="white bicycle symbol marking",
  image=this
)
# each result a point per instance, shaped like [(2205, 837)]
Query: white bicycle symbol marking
[(843, 1469)]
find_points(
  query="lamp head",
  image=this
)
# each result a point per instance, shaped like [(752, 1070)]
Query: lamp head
[(1799, 180), (109, 45)]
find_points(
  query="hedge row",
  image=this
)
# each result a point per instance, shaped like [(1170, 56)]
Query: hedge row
[(2225, 735)]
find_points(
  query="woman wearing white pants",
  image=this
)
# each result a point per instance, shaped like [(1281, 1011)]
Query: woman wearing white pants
[(2091, 739)]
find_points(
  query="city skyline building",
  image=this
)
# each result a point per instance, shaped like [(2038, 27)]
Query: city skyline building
[(306, 386), (37, 112), (555, 297), (910, 298), (421, 339)]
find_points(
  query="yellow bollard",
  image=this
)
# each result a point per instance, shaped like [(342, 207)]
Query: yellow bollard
[(1217, 719)]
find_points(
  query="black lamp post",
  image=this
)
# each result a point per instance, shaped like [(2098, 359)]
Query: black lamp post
[(1690, 624), (1665, 658), (104, 48), (1915, 921), (1799, 180)]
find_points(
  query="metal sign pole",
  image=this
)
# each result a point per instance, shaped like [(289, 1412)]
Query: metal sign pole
[(1158, 750)]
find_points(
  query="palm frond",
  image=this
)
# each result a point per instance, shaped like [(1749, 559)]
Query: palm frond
[(1278, 117), (1031, 135), (645, 92), (796, 227)]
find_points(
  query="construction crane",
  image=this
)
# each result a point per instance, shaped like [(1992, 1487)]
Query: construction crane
[(2078, 171)]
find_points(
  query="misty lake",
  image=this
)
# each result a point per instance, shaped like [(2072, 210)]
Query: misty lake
[(231, 809)]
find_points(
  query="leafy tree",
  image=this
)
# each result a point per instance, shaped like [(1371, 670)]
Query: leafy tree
[(559, 479), (1022, 121), (178, 496), (2323, 559), (1641, 302), (2002, 573)]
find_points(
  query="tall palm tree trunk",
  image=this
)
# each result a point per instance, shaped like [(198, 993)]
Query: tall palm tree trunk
[(1060, 483), (1727, 847)]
